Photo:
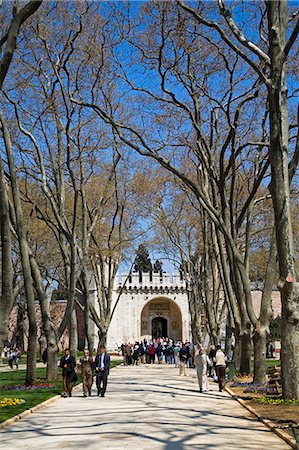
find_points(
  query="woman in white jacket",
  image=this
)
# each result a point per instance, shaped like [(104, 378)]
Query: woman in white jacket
[(202, 362)]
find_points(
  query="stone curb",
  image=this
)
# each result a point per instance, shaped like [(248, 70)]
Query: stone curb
[(27, 412), (282, 434)]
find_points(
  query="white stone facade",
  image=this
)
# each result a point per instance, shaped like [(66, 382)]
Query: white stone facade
[(147, 307)]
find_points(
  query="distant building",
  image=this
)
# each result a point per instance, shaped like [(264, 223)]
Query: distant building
[(151, 305)]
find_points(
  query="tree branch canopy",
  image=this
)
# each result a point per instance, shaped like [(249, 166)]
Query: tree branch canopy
[(11, 36)]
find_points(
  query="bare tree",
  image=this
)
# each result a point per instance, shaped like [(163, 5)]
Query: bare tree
[(270, 64), (8, 44)]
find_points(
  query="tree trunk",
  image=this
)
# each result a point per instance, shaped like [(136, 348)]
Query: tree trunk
[(262, 331), (280, 192), (237, 351), (289, 348), (102, 338), (73, 334), (22, 238), (196, 330), (48, 328), (194, 302), (259, 345), (89, 326), (245, 340), (228, 338), (52, 362), (88, 329), (42, 345), (31, 352), (19, 333), (6, 296)]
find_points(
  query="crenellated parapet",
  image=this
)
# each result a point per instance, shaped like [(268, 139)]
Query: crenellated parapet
[(154, 282)]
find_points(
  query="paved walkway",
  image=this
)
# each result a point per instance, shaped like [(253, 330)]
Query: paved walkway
[(145, 408)]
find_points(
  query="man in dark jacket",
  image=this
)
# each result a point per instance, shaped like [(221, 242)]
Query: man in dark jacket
[(68, 364), (183, 356), (102, 369)]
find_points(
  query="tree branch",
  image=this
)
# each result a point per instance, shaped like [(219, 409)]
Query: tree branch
[(11, 36)]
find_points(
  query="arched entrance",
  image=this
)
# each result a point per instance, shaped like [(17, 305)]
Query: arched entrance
[(161, 317), (159, 327)]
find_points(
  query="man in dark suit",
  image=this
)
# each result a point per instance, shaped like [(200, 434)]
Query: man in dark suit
[(68, 364), (102, 368)]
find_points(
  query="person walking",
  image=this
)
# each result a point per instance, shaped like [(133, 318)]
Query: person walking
[(202, 362), (17, 355), (151, 353), (86, 364), (142, 352), (11, 358), (102, 368), (136, 354), (212, 354), (124, 352), (68, 364), (170, 355), (220, 367), (183, 357), (159, 352), (129, 353), (176, 351), (191, 349)]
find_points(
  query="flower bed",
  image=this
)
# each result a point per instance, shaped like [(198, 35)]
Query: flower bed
[(283, 413), (18, 387), (11, 402), (251, 387)]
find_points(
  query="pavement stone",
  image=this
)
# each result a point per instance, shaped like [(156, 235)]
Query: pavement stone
[(146, 408)]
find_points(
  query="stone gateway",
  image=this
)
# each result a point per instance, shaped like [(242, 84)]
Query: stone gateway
[(149, 307)]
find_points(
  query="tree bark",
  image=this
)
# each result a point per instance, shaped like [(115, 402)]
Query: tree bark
[(196, 330), (6, 299), (228, 337), (88, 328), (42, 345), (279, 187), (102, 337), (19, 332), (259, 345), (195, 302), (261, 331), (237, 350), (245, 340), (22, 238), (87, 320), (73, 334), (52, 362), (11, 36), (48, 328)]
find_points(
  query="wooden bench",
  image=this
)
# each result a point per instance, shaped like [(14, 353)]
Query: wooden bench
[(274, 381)]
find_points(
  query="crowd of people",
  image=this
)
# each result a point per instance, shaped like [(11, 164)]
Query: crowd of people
[(182, 355), (161, 351)]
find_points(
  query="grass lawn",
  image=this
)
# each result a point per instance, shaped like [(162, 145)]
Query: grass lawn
[(272, 363), (269, 363), (31, 397)]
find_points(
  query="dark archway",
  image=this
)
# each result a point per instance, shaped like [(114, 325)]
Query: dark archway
[(159, 327), (161, 308)]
